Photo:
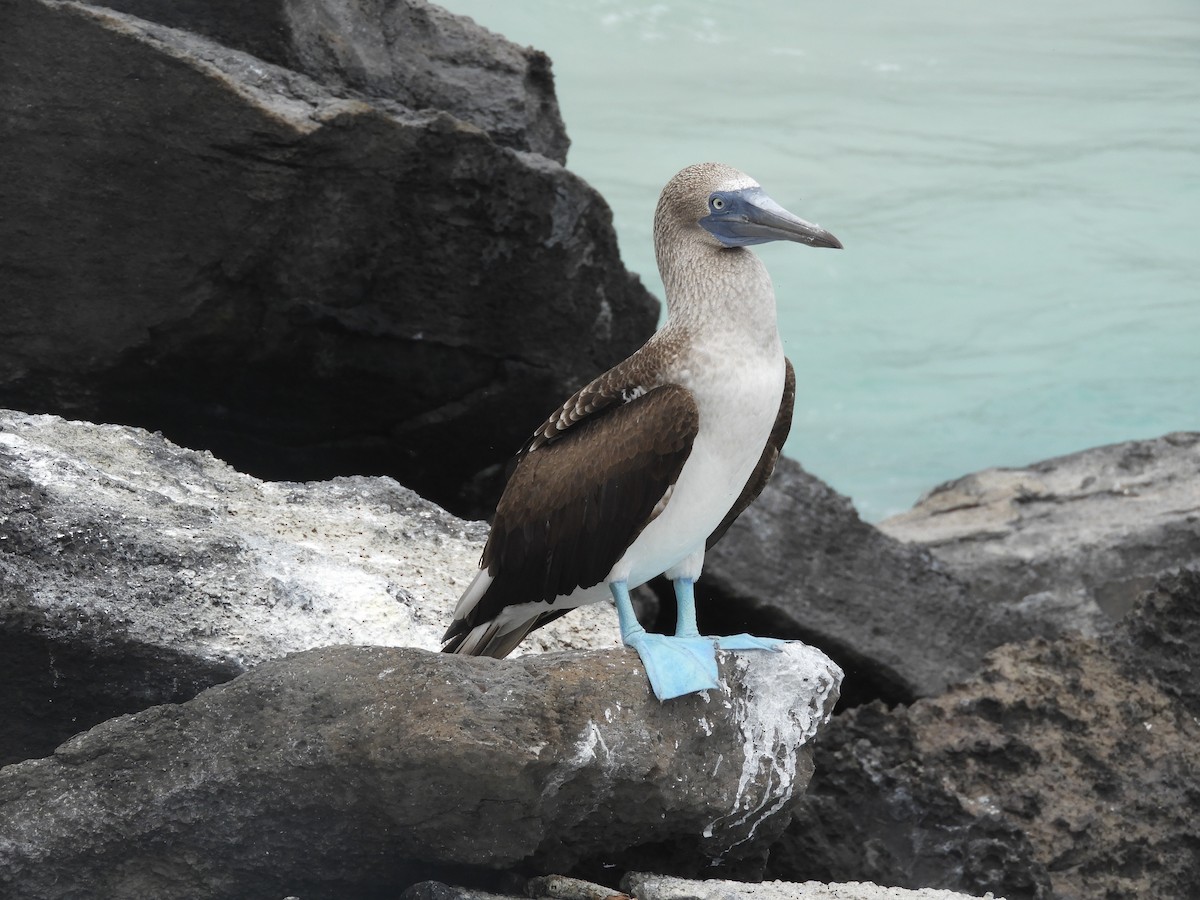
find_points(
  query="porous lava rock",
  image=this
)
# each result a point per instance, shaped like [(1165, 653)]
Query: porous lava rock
[(1066, 769)]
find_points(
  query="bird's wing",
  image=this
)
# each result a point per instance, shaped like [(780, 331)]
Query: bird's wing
[(583, 489), (766, 463)]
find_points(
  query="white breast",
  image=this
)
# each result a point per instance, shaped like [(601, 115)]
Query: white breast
[(738, 396)]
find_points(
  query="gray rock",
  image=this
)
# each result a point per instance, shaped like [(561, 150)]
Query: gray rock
[(346, 771), (1084, 532), (134, 572), (303, 279), (661, 887), (801, 564), (560, 887), (645, 886), (1066, 769), (438, 890), (410, 52)]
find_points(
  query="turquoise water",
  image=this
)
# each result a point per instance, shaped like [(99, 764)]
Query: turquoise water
[(1017, 186)]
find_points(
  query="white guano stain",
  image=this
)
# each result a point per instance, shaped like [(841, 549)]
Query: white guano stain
[(773, 727), (585, 747), (590, 749)]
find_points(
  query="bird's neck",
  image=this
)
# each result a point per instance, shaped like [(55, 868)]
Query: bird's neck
[(712, 292)]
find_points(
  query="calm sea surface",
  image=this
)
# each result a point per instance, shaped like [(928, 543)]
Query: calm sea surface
[(1017, 186)]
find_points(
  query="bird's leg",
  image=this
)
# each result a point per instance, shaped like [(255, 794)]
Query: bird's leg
[(675, 666), (631, 628), (685, 603), (685, 623)]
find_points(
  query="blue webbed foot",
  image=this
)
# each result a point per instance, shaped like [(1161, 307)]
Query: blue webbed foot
[(687, 661), (676, 665)]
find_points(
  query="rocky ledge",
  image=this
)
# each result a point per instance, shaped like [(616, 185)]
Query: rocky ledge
[(1078, 533), (353, 771)]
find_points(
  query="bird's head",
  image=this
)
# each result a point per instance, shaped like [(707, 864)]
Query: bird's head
[(728, 208)]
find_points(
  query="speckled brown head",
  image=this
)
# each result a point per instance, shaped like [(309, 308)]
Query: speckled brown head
[(722, 207)]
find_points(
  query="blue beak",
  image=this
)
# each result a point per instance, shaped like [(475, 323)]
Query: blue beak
[(749, 216)]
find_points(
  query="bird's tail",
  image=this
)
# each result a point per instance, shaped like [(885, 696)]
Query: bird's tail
[(486, 639), (496, 637)]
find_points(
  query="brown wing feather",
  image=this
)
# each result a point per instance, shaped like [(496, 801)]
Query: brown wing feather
[(766, 463), (619, 385), (579, 498)]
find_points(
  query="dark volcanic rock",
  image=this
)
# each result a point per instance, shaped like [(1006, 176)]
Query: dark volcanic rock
[(134, 572), (305, 280), (1091, 530), (357, 771), (1066, 769), (411, 52), (801, 564), (1161, 636)]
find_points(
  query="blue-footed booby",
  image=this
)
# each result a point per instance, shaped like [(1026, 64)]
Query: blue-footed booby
[(646, 467)]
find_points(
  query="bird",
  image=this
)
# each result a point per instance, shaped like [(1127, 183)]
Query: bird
[(647, 466)]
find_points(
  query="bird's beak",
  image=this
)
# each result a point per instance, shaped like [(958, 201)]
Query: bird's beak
[(749, 216)]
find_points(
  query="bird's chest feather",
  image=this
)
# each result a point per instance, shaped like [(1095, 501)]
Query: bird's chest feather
[(738, 398)]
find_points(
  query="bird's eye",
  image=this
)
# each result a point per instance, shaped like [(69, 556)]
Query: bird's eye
[(718, 203)]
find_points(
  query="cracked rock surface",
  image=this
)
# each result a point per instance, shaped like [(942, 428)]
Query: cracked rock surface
[(367, 768)]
